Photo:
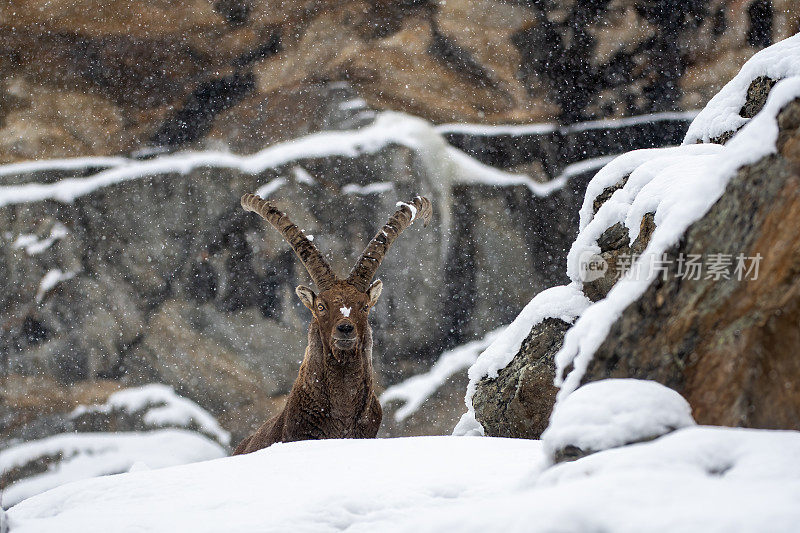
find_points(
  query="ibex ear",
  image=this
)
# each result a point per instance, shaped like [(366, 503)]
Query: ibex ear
[(374, 292), (307, 296)]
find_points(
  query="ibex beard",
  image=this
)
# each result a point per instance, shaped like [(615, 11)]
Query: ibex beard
[(333, 396)]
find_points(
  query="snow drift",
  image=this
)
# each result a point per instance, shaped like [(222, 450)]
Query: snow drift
[(695, 479)]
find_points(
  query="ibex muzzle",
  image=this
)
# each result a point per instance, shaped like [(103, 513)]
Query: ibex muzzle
[(334, 394)]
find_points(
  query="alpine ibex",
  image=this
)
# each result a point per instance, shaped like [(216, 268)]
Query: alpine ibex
[(334, 393)]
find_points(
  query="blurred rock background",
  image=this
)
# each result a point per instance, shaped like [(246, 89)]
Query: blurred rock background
[(167, 280)]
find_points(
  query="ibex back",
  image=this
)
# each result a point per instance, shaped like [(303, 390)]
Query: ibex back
[(334, 393)]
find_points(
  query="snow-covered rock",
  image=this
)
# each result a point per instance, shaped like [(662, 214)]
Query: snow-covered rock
[(564, 303), (723, 114), (611, 413), (679, 188), (729, 208), (152, 406), (694, 480), (37, 466)]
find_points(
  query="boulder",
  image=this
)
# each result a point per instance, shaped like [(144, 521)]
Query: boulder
[(517, 403), (725, 343), (612, 413)]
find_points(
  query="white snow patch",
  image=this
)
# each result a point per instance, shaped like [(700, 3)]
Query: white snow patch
[(546, 128), (485, 130), (301, 175), (615, 123), (565, 302), (50, 280), (411, 208), (166, 408), (696, 479), (265, 191), (76, 163), (693, 480), (355, 103), (33, 245), (620, 166), (439, 158), (614, 412), (679, 185), (378, 187), (345, 311), (721, 114), (415, 390), (88, 455)]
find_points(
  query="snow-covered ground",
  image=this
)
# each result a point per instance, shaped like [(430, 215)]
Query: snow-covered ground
[(696, 479), (86, 455)]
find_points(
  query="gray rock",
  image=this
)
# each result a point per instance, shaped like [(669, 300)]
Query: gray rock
[(517, 403), (726, 345), (173, 282)]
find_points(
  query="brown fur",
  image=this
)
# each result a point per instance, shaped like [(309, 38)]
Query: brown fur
[(333, 396), (334, 393)]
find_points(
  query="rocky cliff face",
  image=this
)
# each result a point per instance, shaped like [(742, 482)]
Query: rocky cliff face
[(163, 278), (160, 276), (81, 79), (726, 343)]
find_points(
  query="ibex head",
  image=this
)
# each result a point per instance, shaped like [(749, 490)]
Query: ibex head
[(341, 308)]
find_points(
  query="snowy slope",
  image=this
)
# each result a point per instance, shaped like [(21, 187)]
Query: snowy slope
[(86, 455), (696, 479)]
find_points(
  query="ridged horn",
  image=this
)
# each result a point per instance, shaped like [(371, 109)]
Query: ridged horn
[(366, 266), (316, 265)]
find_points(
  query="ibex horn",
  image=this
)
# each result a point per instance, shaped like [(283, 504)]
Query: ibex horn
[(309, 255), (362, 274)]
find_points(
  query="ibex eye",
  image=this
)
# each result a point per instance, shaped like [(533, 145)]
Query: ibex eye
[(321, 307)]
